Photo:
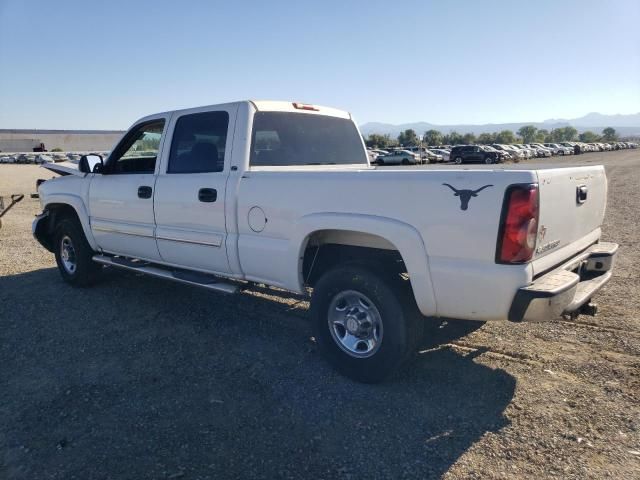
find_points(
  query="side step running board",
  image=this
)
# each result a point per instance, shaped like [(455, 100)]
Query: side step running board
[(183, 276)]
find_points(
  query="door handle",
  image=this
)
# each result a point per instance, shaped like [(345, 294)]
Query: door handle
[(207, 195), (144, 192)]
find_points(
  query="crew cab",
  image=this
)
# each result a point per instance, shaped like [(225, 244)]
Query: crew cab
[(283, 194)]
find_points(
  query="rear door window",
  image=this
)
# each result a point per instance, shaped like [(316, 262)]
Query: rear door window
[(292, 139), (198, 143)]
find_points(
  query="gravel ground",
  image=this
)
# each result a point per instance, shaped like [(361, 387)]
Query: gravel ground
[(140, 378)]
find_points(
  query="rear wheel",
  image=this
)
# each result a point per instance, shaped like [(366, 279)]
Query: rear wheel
[(458, 160), (405, 161), (366, 325), (74, 254)]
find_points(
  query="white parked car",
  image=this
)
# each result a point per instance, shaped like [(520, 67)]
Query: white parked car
[(399, 157), (540, 152), (559, 149), (442, 152), (516, 153), (283, 194)]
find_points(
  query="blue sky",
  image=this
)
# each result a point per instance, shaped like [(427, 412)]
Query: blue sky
[(85, 64)]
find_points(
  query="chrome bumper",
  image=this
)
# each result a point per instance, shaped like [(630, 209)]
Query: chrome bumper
[(566, 288)]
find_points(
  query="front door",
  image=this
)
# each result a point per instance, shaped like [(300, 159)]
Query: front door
[(121, 197), (189, 200)]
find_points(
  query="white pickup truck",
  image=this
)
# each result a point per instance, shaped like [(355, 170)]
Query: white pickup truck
[(283, 194)]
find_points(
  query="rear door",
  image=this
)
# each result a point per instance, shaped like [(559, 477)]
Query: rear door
[(572, 206), (190, 190)]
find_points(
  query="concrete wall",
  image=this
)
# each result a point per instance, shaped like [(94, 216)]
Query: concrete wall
[(67, 140)]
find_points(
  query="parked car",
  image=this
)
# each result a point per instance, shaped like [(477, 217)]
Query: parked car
[(516, 153), (509, 154), (474, 154), (541, 150), (559, 149), (442, 152), (432, 157), (528, 153), (295, 205), (399, 157)]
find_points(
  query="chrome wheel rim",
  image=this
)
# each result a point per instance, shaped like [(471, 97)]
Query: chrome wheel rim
[(68, 255), (355, 324)]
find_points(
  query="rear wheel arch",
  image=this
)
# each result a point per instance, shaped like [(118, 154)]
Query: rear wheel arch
[(379, 241)]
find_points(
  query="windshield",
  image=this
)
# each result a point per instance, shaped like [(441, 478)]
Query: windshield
[(291, 139)]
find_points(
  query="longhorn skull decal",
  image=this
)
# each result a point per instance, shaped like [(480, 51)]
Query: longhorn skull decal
[(465, 195)]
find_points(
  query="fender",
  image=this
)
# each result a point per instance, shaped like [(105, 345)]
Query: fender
[(406, 239), (76, 202)]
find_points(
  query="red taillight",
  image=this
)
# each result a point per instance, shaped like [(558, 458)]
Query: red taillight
[(519, 227), (305, 106)]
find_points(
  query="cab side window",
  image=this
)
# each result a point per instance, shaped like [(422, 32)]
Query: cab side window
[(198, 143), (138, 151)]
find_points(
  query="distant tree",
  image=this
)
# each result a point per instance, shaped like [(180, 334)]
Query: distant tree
[(541, 136), (570, 134), (487, 138), (452, 138), (556, 135), (505, 136), (609, 134), (468, 138), (376, 140), (527, 133), (589, 137), (408, 138), (432, 137), (57, 149), (564, 134)]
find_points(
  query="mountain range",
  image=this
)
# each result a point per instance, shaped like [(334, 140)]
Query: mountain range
[(625, 125)]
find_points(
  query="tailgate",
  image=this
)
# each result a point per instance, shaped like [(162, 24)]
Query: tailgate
[(572, 205)]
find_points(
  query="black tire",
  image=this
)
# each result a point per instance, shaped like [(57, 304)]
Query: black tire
[(488, 160), (86, 270), (405, 161), (380, 161), (458, 160), (402, 324)]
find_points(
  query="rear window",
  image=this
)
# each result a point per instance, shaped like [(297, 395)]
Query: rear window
[(198, 143), (291, 139)]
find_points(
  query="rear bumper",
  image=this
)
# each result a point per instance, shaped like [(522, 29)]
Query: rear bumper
[(566, 288)]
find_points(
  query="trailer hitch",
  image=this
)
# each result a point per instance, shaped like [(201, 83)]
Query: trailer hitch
[(14, 199)]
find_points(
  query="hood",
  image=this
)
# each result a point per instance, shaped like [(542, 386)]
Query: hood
[(63, 168)]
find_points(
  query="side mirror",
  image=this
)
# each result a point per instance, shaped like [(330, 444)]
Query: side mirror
[(91, 163)]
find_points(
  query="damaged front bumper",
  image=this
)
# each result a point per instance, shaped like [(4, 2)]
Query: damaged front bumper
[(567, 288)]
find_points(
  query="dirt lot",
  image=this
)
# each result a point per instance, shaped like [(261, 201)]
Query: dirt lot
[(138, 378)]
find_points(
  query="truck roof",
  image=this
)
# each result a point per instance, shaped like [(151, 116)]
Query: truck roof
[(266, 106)]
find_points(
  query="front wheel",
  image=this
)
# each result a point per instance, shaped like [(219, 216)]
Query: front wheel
[(74, 254), (488, 160), (366, 325)]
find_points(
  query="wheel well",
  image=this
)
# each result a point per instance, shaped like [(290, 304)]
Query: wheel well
[(328, 248), (45, 230)]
